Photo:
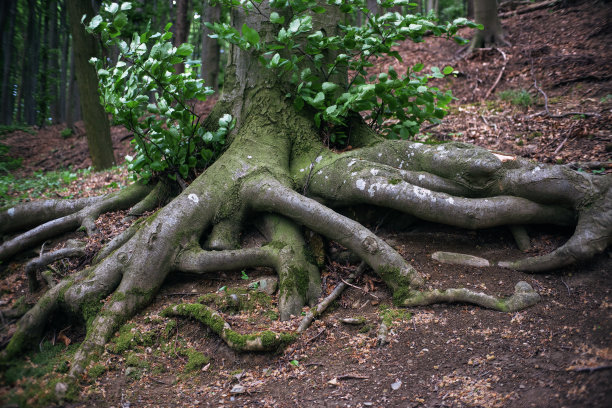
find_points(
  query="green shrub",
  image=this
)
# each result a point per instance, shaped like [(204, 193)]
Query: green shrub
[(517, 97)]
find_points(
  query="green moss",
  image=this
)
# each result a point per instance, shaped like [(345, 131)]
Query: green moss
[(390, 315), (96, 371), (195, 359), (118, 296), (247, 300), (90, 310), (395, 181), (129, 337), (276, 244), (365, 328), (169, 329), (136, 360)]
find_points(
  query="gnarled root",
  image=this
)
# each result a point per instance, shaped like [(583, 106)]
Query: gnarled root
[(67, 218), (524, 296), (262, 341)]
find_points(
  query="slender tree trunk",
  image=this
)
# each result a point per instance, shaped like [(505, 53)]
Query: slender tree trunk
[(210, 46), (485, 12), (96, 120), (9, 15), (30, 66), (63, 80), (181, 28), (42, 94), (54, 102)]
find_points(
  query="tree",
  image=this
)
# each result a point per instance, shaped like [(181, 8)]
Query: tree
[(210, 47), (96, 119), (485, 13), (277, 168), (181, 27)]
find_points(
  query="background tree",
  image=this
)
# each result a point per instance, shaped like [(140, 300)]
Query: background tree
[(485, 13), (210, 47), (96, 119), (298, 98)]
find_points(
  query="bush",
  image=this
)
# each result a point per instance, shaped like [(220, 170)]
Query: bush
[(518, 97)]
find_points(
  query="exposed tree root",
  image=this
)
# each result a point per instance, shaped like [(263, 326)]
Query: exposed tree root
[(523, 297), (262, 341), (258, 178), (45, 259), (63, 220)]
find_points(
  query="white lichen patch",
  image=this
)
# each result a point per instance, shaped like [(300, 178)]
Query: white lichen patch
[(374, 171), (421, 177), (352, 162), (450, 200), (320, 172), (536, 169), (423, 194), (401, 164), (249, 157), (318, 159), (361, 184), (11, 212), (302, 170), (379, 154), (193, 198)]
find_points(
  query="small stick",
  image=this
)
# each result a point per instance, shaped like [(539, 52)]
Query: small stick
[(320, 308), (499, 75), (361, 289), (351, 377), (591, 369)]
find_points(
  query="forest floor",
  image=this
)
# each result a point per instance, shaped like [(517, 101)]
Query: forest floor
[(557, 353)]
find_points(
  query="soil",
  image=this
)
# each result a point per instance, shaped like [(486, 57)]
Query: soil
[(557, 353)]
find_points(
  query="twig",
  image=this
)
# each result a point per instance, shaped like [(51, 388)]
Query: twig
[(546, 111), (501, 72), (320, 308), (361, 289), (316, 336), (561, 145), (569, 292), (352, 377), (528, 9), (591, 369)]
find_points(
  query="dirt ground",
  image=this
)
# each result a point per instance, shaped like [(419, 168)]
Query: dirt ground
[(555, 354)]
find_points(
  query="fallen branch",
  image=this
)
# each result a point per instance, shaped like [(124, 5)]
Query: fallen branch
[(590, 369), (546, 111), (320, 308), (528, 9), (501, 72)]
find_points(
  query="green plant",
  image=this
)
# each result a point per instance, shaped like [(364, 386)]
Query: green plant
[(392, 104), (606, 99), (66, 133), (519, 97), (244, 276), (144, 94)]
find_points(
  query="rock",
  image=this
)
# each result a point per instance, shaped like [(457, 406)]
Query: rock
[(460, 259), (266, 285), (60, 390), (238, 389)]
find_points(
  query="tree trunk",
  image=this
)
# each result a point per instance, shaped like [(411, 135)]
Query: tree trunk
[(8, 33), (96, 120), (53, 66), (181, 28), (42, 95), (210, 46), (277, 172), (63, 80), (30, 66), (485, 12)]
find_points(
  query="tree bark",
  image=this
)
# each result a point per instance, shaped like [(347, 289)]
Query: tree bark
[(53, 66), (210, 46), (8, 33), (30, 66), (181, 28), (63, 78), (485, 12), (96, 120)]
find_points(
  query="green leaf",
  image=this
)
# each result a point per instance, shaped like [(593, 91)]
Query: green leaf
[(126, 6), (250, 35), (447, 70), (276, 18), (95, 22), (120, 20), (418, 67), (295, 363), (329, 86), (318, 99), (112, 8), (184, 50)]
